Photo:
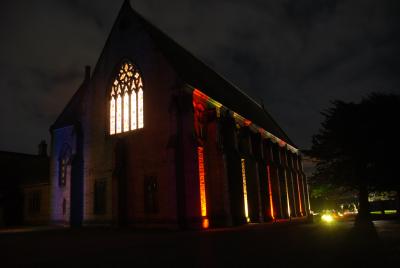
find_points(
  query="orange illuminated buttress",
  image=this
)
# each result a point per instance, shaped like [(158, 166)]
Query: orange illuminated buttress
[(203, 201)]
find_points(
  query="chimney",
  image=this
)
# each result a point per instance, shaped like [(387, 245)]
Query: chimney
[(43, 148), (87, 73)]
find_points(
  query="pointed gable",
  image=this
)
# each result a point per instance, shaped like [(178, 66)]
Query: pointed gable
[(192, 71)]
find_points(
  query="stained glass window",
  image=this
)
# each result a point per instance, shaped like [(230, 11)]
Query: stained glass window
[(126, 100), (133, 111), (119, 114), (126, 112), (112, 115), (140, 108)]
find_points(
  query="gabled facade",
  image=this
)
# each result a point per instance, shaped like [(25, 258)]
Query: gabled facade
[(154, 137)]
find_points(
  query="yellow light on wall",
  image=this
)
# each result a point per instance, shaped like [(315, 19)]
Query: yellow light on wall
[(203, 201), (270, 193), (299, 194), (287, 194), (246, 206)]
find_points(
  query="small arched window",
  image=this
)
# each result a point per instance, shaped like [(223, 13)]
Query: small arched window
[(126, 100), (63, 163)]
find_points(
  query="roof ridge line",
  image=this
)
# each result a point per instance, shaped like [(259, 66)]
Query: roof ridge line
[(227, 80), (148, 24), (146, 20)]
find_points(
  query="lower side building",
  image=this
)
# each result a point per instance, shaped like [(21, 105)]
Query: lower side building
[(36, 203), (24, 188)]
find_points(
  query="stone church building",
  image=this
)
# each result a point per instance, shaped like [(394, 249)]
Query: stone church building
[(155, 137)]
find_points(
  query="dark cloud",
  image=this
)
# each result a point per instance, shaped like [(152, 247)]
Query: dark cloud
[(295, 56)]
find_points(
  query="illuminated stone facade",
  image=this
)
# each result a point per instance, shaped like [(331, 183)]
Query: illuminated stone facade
[(182, 160)]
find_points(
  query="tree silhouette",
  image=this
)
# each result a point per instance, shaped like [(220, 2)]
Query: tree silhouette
[(358, 146)]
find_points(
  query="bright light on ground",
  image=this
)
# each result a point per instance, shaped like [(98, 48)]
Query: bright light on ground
[(327, 218)]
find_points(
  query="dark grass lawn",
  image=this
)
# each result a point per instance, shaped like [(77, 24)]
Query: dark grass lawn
[(262, 245)]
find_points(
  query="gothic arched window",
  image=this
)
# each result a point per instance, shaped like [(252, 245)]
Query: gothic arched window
[(126, 100)]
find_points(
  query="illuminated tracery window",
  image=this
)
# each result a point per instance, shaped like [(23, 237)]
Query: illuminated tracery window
[(126, 100)]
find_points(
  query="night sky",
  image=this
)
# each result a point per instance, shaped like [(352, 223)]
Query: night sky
[(294, 55)]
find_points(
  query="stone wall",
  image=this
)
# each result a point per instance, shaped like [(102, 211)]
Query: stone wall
[(63, 141)]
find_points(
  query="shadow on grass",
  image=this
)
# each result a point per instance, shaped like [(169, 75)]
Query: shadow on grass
[(364, 234)]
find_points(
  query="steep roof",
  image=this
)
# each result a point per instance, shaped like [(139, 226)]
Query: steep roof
[(195, 73)]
